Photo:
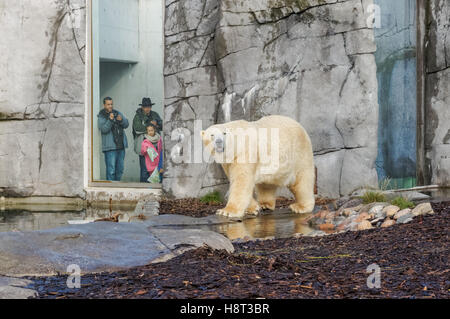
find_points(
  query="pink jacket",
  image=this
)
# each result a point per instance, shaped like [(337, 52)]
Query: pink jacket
[(148, 163)]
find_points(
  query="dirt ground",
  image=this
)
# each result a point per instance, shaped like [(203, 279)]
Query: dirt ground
[(413, 260)]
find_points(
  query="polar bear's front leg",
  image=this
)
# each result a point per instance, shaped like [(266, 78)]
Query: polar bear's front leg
[(253, 208), (242, 178)]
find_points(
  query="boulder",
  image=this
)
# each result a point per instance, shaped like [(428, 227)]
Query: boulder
[(376, 210), (422, 209), (326, 227), (362, 216), (364, 225), (391, 210), (388, 223), (401, 213), (405, 218)]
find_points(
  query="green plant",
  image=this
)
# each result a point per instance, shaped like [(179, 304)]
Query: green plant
[(373, 197), (385, 184), (402, 202), (212, 198)]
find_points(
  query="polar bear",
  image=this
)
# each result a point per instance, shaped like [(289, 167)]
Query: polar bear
[(280, 155)]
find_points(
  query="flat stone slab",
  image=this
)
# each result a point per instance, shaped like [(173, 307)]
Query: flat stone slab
[(15, 288), (96, 247), (180, 220)]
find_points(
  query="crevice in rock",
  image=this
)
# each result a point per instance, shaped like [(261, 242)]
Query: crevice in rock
[(234, 52), (211, 39), (334, 150), (50, 61), (293, 12), (189, 69), (352, 66), (438, 71), (70, 11), (41, 145)]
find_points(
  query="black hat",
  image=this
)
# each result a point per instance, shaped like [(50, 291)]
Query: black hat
[(146, 101)]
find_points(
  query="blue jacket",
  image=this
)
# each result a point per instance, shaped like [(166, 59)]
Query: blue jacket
[(105, 126)]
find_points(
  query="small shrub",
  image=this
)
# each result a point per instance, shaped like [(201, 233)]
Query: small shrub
[(212, 198), (373, 197), (402, 202)]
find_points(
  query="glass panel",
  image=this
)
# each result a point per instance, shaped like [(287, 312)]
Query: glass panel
[(128, 66), (396, 73)]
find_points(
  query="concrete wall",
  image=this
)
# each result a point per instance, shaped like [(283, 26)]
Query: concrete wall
[(437, 98), (119, 30)]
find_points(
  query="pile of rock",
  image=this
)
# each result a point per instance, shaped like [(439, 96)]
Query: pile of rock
[(362, 217)]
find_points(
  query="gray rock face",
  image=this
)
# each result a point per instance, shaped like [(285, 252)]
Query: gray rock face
[(99, 246), (15, 288), (42, 98), (310, 60), (437, 113)]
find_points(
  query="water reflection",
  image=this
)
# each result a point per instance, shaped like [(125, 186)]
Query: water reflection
[(278, 225), (21, 220), (17, 220)]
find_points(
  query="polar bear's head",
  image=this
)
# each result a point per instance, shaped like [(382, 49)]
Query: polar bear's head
[(214, 138)]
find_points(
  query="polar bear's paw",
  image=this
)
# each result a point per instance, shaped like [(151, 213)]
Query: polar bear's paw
[(267, 205), (299, 209), (230, 213), (253, 209)]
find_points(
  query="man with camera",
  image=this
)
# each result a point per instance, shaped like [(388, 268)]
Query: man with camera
[(114, 140)]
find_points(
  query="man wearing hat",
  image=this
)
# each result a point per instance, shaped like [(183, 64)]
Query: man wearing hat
[(143, 118)]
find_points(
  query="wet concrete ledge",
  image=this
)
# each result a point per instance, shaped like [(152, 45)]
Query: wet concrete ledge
[(39, 203), (124, 198)]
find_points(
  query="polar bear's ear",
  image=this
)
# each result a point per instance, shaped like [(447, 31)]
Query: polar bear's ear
[(202, 133)]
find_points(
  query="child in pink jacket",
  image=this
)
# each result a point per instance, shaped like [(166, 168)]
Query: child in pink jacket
[(152, 145)]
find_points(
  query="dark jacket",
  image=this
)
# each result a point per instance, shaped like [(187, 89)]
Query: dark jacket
[(105, 125), (141, 121)]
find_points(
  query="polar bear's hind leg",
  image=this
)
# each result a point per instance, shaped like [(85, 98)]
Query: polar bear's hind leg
[(303, 190), (266, 195)]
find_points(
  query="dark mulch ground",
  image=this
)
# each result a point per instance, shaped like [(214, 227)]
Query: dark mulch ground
[(195, 208), (414, 261)]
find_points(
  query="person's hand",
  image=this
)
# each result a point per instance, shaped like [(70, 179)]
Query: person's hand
[(119, 118), (111, 116), (161, 170), (154, 123)]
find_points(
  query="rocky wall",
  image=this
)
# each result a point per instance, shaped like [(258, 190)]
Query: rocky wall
[(42, 92), (310, 60)]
